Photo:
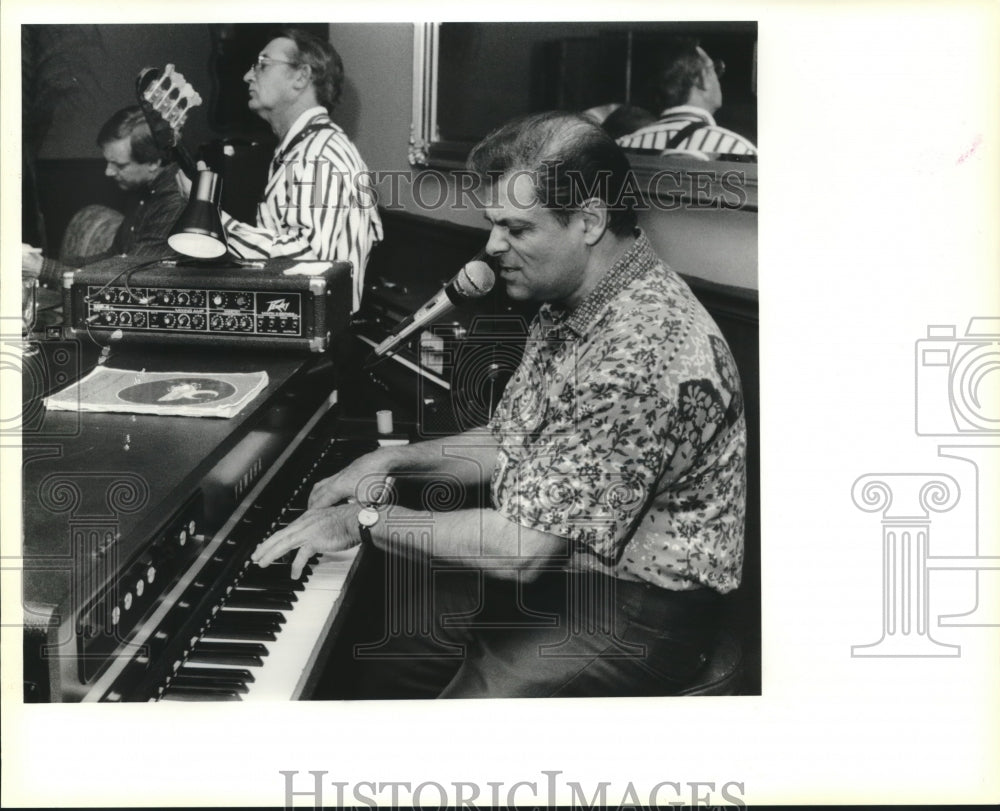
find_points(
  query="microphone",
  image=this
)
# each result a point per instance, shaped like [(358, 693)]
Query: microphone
[(473, 281)]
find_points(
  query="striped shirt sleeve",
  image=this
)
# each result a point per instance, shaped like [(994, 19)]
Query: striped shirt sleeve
[(711, 138), (318, 204)]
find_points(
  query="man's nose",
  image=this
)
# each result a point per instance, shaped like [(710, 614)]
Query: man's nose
[(248, 76), (496, 244), (109, 170)]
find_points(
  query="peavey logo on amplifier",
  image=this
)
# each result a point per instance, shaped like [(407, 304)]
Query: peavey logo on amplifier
[(285, 305), (278, 305)]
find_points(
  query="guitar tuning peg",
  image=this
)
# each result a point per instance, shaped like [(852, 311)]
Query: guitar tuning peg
[(184, 98), (162, 86), (172, 97)]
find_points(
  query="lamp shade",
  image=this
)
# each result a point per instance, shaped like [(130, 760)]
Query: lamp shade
[(199, 232)]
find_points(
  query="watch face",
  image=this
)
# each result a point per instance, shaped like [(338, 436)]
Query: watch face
[(368, 517)]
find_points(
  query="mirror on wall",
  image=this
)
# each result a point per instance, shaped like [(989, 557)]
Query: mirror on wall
[(471, 77)]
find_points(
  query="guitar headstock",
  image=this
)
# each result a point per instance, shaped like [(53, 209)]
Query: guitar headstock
[(166, 99)]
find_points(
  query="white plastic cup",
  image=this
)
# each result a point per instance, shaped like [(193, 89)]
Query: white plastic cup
[(383, 419)]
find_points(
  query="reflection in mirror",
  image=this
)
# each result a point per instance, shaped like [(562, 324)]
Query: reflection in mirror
[(471, 77)]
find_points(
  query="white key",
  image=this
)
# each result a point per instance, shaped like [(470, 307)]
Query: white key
[(291, 657)]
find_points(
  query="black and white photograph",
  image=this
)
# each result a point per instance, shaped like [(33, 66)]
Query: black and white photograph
[(563, 508), (546, 366)]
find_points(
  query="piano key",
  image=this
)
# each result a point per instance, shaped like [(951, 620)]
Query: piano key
[(250, 599), (220, 681), (279, 571), (229, 653), (256, 591), (197, 694), (293, 655), (288, 558), (242, 674), (223, 633), (271, 578), (283, 674), (262, 579), (246, 620), (266, 619), (303, 625)]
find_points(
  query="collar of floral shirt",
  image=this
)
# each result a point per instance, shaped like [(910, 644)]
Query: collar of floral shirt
[(636, 261)]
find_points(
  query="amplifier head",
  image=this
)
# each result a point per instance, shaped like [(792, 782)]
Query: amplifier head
[(278, 304)]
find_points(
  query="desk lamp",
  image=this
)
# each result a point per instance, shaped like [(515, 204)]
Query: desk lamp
[(199, 232)]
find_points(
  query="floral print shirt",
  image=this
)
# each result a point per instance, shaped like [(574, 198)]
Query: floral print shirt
[(623, 431)]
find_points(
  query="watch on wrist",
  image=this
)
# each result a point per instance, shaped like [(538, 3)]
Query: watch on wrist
[(367, 518)]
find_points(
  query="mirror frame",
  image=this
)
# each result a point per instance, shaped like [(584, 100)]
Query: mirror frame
[(664, 182)]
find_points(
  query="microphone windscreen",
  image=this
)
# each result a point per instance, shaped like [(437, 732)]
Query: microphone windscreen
[(475, 280)]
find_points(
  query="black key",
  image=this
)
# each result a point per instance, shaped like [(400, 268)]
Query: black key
[(199, 694), (260, 599), (242, 674), (215, 684), (265, 618), (275, 573), (275, 568), (277, 591), (265, 579), (250, 619), (289, 557), (229, 622), (222, 631), (279, 571), (228, 653)]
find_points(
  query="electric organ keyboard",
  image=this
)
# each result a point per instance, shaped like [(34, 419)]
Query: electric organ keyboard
[(138, 529), (235, 631)]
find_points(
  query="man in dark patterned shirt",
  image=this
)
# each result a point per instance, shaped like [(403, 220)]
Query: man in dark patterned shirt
[(138, 167), (616, 460)]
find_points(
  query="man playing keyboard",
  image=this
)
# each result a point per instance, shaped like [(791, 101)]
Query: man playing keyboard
[(615, 462)]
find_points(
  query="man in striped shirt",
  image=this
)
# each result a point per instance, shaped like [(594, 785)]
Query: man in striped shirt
[(688, 91), (319, 202)]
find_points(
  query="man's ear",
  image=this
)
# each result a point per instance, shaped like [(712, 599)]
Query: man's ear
[(701, 80), (594, 216), (303, 77)]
